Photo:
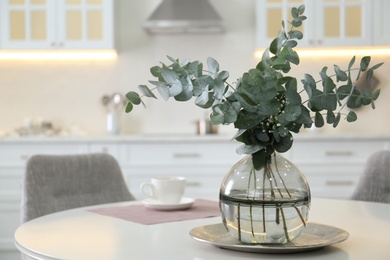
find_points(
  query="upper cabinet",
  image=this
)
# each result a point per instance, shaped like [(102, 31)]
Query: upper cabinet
[(56, 24), (329, 23), (381, 9)]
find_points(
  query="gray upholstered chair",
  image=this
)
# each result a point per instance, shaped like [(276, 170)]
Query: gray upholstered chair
[(374, 184), (59, 182)]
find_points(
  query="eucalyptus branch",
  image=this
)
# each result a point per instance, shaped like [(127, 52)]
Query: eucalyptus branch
[(265, 106)]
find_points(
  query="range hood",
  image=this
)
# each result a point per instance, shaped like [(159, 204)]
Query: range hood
[(184, 16)]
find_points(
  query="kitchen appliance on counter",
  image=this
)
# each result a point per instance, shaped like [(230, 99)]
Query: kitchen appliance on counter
[(114, 105)]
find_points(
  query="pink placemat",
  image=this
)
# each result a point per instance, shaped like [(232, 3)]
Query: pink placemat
[(147, 216)]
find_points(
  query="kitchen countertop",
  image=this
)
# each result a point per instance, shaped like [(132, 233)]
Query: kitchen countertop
[(182, 137)]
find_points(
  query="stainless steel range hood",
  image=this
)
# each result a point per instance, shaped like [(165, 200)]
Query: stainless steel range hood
[(184, 16)]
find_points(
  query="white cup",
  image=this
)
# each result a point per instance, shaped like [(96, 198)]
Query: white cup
[(165, 190)]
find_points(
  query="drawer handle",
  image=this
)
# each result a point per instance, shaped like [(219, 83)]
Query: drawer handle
[(338, 153), (339, 183), (193, 184), (186, 155), (24, 157)]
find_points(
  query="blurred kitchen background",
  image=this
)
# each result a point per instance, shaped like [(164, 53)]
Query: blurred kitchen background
[(68, 94)]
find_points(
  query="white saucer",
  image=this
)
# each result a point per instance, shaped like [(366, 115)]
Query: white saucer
[(183, 204)]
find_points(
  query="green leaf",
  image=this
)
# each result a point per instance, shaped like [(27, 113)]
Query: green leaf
[(247, 120), (218, 89), (318, 120), (376, 66), (259, 159), (337, 120), (290, 55), (330, 117), (213, 66), (284, 144), (249, 149), (344, 91), (292, 112), (351, 117), (295, 34), (163, 90), (351, 63), (169, 76), (146, 91), (156, 71), (185, 95), (203, 98), (293, 97), (133, 97), (291, 43), (301, 9), (340, 75), (129, 107), (175, 88), (223, 75), (296, 22), (225, 113), (294, 12), (309, 83), (375, 94), (364, 63), (328, 85), (262, 136), (273, 48)]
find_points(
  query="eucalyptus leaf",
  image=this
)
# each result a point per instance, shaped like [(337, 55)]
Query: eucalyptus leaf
[(175, 88), (146, 91), (351, 117), (133, 97), (318, 120), (364, 63), (129, 107), (169, 76)]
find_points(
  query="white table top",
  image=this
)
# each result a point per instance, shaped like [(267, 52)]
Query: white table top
[(80, 234)]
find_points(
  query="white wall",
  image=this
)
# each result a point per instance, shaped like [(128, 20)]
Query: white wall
[(69, 93)]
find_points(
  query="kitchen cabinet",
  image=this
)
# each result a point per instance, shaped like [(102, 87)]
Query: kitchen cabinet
[(331, 164), (329, 23), (381, 9), (56, 25), (333, 167)]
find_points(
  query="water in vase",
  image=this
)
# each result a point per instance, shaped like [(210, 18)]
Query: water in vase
[(265, 220)]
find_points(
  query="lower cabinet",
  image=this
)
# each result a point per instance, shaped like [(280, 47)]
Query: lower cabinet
[(332, 165)]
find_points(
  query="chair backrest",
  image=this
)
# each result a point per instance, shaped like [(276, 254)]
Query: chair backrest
[(59, 182), (374, 184)]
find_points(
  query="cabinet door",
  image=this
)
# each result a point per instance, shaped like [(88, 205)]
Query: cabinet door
[(270, 14), (329, 23), (343, 23), (27, 24), (381, 28), (56, 24), (85, 24)]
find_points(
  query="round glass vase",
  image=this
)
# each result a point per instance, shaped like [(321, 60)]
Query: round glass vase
[(269, 205)]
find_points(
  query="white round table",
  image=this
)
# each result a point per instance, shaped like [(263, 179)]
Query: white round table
[(80, 234)]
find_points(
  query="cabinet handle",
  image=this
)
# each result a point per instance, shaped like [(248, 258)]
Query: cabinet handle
[(24, 157), (338, 153), (339, 183), (186, 155), (193, 184)]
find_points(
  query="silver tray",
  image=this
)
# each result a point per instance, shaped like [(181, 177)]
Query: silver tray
[(314, 236)]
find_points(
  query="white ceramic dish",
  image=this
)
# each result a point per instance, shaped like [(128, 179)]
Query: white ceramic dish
[(315, 236), (183, 204)]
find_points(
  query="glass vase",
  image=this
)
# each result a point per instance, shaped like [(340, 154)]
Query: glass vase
[(269, 205)]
